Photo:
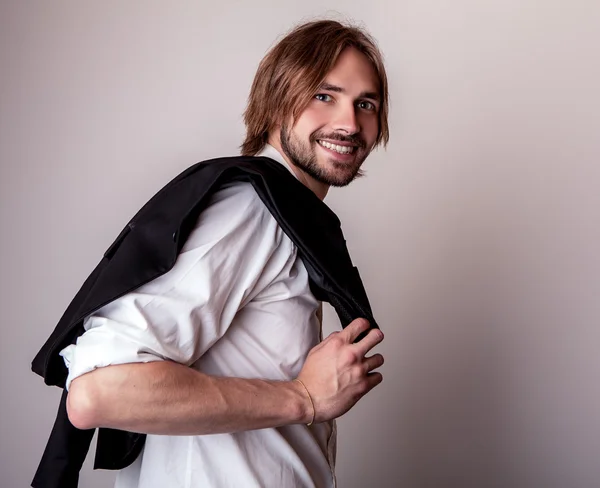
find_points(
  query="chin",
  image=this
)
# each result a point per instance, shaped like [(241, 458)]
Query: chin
[(339, 174)]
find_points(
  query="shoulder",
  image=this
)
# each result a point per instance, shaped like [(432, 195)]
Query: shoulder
[(235, 204), (238, 196), (235, 213)]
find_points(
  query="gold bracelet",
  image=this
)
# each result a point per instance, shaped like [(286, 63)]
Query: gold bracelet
[(311, 402)]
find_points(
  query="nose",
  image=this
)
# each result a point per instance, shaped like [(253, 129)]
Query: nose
[(346, 119)]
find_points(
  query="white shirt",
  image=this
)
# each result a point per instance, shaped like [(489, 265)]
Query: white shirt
[(237, 303)]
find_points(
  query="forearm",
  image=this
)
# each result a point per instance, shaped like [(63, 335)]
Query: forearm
[(168, 398)]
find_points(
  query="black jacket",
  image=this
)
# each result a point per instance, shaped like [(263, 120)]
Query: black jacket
[(148, 246)]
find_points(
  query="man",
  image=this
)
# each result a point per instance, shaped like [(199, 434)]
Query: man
[(220, 360)]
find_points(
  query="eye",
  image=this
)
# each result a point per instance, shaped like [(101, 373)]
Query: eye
[(323, 97), (369, 106)]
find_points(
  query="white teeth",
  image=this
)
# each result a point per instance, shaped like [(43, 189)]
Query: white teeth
[(337, 148)]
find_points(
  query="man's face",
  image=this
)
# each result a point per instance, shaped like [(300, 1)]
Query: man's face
[(337, 130)]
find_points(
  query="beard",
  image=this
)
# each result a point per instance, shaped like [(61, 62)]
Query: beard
[(332, 172)]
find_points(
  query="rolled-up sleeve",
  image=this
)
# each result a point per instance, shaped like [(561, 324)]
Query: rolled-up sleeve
[(179, 315)]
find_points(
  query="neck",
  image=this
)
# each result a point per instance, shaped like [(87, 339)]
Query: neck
[(318, 188)]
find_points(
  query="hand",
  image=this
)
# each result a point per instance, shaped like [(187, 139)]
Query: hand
[(337, 373)]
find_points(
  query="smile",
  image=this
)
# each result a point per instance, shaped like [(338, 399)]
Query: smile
[(337, 148)]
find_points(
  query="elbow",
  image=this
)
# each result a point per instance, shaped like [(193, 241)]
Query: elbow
[(81, 405)]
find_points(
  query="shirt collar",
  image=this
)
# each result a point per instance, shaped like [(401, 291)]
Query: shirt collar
[(270, 152)]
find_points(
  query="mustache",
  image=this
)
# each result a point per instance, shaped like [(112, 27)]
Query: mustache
[(354, 140)]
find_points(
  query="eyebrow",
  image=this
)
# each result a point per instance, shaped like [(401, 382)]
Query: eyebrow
[(338, 89)]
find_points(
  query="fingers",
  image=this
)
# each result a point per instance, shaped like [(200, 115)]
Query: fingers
[(374, 337), (356, 328), (373, 379), (373, 362)]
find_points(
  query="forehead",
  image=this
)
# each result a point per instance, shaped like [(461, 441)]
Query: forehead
[(353, 72)]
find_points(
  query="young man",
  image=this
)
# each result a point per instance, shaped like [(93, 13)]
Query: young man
[(220, 360)]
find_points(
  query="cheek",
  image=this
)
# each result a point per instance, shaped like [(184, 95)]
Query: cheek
[(370, 128), (311, 120)]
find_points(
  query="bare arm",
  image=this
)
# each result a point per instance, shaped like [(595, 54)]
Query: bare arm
[(169, 398)]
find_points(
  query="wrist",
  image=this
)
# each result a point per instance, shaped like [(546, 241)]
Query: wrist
[(308, 404), (300, 409)]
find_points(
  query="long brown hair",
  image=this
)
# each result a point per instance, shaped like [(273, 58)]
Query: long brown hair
[(291, 72)]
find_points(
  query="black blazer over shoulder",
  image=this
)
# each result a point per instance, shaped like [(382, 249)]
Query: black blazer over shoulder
[(147, 248)]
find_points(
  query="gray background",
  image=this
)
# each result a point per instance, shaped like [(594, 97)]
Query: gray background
[(476, 232)]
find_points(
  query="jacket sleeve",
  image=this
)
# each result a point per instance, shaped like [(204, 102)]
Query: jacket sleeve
[(179, 315)]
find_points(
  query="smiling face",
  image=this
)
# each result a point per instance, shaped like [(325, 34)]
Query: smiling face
[(335, 133)]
